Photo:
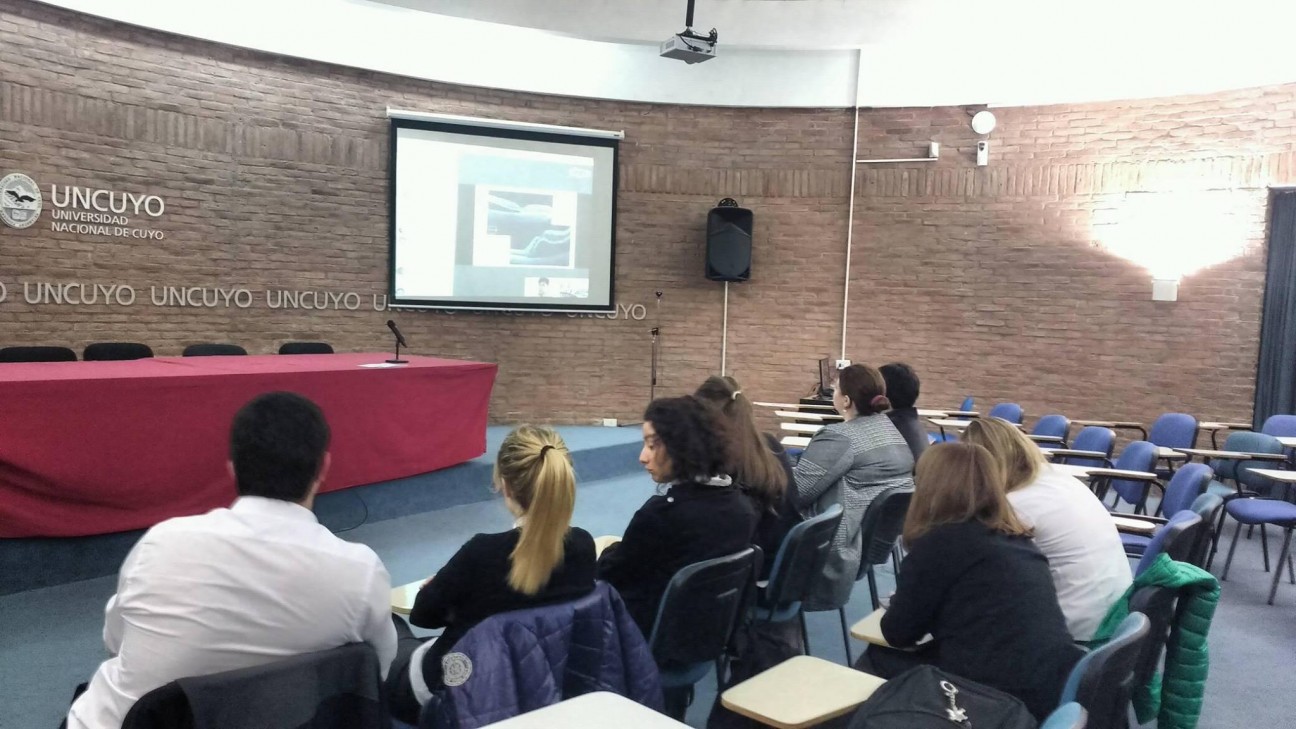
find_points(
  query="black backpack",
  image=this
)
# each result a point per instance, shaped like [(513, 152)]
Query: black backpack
[(926, 697)]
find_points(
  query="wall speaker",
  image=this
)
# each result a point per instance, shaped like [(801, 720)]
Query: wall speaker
[(729, 243)]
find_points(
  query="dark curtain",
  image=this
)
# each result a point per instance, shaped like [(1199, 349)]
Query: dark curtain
[(1275, 390)]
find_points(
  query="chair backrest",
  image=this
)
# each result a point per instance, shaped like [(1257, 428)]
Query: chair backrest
[(37, 354), (967, 405), (1207, 506), (1174, 539), (213, 350), (1010, 411), (700, 608), (800, 559), (1092, 438), (277, 695), (1189, 482), (881, 526), (1054, 426), (1282, 426), (1157, 603), (107, 351), (1248, 442), (1139, 455), (1174, 430), (1101, 682), (1067, 716), (306, 348)]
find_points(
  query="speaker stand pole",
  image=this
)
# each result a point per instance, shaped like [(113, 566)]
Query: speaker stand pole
[(656, 337)]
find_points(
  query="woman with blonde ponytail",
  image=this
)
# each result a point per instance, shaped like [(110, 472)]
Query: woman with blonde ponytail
[(543, 559)]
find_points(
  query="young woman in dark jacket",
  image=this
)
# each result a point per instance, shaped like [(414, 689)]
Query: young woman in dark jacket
[(543, 559), (701, 515), (974, 580)]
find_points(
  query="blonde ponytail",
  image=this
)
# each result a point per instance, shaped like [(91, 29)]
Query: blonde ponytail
[(536, 468)]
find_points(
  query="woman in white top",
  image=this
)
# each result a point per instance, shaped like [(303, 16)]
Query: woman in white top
[(1072, 527)]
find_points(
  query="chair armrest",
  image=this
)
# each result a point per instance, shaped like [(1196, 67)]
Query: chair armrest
[(1073, 453), (1046, 438)]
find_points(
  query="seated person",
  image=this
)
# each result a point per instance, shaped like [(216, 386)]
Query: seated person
[(977, 583), (243, 586), (701, 516), (760, 466), (850, 463), (902, 391), (543, 559), (1072, 528)]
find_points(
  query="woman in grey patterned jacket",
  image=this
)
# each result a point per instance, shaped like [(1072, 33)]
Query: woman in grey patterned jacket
[(851, 463)]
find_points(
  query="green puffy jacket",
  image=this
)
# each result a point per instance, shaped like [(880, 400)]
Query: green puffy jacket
[(1175, 699)]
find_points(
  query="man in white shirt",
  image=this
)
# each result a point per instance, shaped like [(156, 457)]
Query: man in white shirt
[(243, 586)]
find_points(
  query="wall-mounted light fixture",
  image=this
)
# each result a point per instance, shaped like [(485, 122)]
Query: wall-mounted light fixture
[(983, 122)]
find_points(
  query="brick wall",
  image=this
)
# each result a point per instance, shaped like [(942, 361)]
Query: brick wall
[(989, 280)]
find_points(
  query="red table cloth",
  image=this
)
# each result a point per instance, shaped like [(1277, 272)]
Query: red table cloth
[(99, 447)]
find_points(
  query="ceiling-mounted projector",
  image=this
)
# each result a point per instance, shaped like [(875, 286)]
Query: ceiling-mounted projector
[(688, 46)]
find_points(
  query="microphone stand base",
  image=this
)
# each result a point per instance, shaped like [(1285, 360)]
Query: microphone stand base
[(397, 361)]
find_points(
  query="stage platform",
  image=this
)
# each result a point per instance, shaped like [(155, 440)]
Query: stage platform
[(598, 453)]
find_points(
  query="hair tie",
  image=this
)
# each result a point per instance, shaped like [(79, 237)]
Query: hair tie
[(545, 449), (735, 394), (876, 398)]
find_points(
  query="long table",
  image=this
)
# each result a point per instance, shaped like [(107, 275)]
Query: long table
[(99, 447)]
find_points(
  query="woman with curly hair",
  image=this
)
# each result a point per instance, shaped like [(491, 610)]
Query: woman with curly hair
[(701, 515)]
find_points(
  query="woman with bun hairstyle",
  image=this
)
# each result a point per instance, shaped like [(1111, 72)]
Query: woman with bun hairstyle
[(851, 463), (541, 560)]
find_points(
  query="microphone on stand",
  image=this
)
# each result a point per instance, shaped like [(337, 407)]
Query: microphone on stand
[(400, 342)]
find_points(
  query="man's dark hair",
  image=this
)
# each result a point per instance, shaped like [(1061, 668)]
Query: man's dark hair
[(543, 280), (277, 445), (691, 435), (901, 384)]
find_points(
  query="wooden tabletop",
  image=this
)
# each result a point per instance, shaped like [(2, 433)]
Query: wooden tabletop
[(1109, 423), (591, 711), (1122, 473), (1172, 454), (1288, 441), (801, 428), (1275, 474), (402, 597), (821, 417), (797, 406), (948, 423), (1232, 455), (794, 441), (1216, 425), (799, 692), (1137, 526)]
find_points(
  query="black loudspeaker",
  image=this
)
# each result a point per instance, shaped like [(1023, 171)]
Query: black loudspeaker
[(729, 244)]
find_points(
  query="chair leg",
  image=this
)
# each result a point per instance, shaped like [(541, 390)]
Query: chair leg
[(841, 613), (805, 634), (1232, 546), (873, 588), (1291, 573), (1282, 557), (1264, 544), (1219, 531)]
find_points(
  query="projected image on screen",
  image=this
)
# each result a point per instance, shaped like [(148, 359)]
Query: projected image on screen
[(488, 220)]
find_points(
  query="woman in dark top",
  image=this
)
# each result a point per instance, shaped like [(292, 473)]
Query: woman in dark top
[(974, 581), (701, 516), (758, 464), (541, 560)]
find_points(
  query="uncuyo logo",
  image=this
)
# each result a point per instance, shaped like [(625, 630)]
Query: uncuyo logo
[(20, 200)]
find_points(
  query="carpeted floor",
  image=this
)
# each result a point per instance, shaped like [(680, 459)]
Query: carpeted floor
[(51, 637)]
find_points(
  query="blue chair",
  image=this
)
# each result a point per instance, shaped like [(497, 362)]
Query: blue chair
[(798, 563), (1205, 505), (1067, 716), (1281, 426), (1094, 439), (880, 527), (1245, 483), (1139, 455), (1264, 511), (1173, 430), (696, 620), (967, 405), (1103, 680), (1009, 411), (1176, 539), (1051, 430), (1181, 493)]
